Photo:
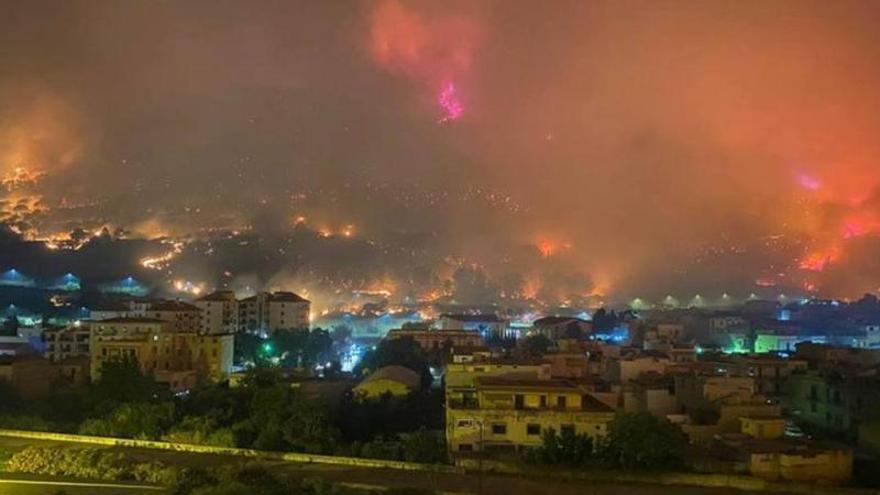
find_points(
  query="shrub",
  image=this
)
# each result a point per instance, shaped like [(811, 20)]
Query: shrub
[(132, 420), (644, 441), (424, 446), (567, 448), (90, 463), (200, 430), (21, 422)]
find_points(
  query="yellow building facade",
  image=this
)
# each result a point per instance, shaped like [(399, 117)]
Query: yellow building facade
[(511, 414), (169, 355), (763, 427)]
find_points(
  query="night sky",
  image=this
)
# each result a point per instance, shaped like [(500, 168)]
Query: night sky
[(643, 147)]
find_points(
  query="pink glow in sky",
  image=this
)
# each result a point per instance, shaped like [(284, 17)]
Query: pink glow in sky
[(809, 182), (449, 103)]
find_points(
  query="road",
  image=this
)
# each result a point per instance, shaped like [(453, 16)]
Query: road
[(16, 484), (456, 483)]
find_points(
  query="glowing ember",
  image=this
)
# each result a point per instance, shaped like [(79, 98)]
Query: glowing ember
[(450, 104), (546, 248), (188, 287), (817, 261), (161, 262), (18, 177)]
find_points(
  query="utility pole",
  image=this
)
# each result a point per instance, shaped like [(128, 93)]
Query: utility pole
[(480, 463)]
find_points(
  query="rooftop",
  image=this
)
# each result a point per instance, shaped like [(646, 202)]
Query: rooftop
[(220, 295), (473, 318), (172, 305), (131, 320), (399, 374), (555, 320), (287, 297)]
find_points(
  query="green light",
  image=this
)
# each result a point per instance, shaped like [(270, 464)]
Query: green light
[(268, 348)]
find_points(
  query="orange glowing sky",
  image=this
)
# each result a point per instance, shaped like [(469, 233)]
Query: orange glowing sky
[(618, 139)]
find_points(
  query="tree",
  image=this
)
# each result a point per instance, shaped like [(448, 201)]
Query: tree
[(200, 430), (122, 380), (132, 420), (307, 428), (567, 448), (423, 446), (536, 345), (604, 321), (573, 331), (10, 326), (641, 440), (267, 415), (247, 348)]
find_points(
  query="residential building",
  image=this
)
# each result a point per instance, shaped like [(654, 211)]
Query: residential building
[(176, 358), (67, 342), (489, 326), (763, 452), (181, 316), (269, 312), (431, 339), (822, 356), (461, 377), (219, 312), (835, 399), (720, 401), (652, 393), (511, 414), (770, 371), (763, 427), (28, 374), (631, 366), (72, 371), (560, 327), (568, 364), (728, 322)]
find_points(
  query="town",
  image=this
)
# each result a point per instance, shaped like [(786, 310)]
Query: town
[(786, 392)]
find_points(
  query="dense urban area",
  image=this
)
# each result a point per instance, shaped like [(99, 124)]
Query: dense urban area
[(782, 391)]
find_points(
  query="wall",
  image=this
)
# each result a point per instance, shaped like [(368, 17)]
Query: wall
[(205, 449)]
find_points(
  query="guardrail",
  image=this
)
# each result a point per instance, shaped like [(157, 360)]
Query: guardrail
[(230, 451)]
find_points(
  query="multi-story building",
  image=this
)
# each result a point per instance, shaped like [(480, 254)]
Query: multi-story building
[(269, 312), (181, 316), (651, 393), (769, 371), (67, 342), (219, 312), (719, 401), (626, 368), (429, 339), (762, 451), (820, 356), (835, 399), (461, 377), (560, 327), (569, 364), (728, 322), (177, 358), (511, 414), (29, 375), (490, 326)]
